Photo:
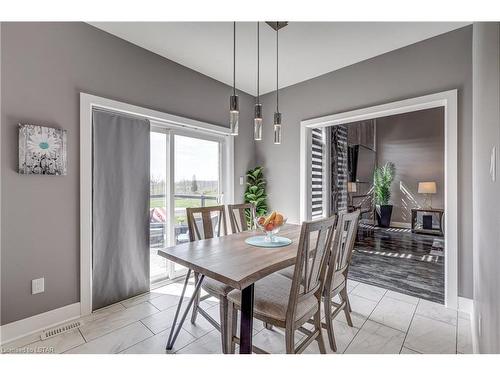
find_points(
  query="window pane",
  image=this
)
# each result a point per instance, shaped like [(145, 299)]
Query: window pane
[(196, 179)]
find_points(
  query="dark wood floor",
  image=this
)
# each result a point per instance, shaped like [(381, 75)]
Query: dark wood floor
[(399, 261)]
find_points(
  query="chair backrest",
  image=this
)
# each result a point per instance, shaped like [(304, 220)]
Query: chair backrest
[(313, 252), (241, 216), (342, 248), (206, 222)]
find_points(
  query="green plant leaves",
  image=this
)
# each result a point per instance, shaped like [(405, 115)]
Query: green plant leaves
[(256, 190), (382, 180)]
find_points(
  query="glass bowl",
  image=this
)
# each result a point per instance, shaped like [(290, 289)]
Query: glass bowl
[(271, 229)]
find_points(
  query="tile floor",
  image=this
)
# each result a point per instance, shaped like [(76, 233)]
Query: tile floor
[(384, 322)]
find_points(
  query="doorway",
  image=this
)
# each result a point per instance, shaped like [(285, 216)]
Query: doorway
[(447, 100), (170, 127), (186, 171)]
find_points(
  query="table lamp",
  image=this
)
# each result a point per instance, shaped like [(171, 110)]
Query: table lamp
[(428, 188)]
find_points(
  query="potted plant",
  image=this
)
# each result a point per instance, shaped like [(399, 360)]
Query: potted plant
[(256, 191), (382, 180)]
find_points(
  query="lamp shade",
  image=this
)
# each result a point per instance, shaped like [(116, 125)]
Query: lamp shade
[(428, 187)]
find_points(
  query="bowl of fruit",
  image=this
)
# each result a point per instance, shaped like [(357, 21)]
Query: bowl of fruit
[(271, 224)]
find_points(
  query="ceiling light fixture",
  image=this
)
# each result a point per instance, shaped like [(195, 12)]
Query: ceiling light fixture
[(277, 115), (257, 121), (234, 107)]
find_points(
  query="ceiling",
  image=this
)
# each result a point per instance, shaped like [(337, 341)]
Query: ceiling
[(306, 49)]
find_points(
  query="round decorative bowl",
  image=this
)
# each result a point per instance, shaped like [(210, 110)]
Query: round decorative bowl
[(270, 229)]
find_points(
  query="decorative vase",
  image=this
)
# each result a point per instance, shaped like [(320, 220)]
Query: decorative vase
[(383, 213)]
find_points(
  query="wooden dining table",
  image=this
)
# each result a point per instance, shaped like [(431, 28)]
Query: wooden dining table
[(230, 260)]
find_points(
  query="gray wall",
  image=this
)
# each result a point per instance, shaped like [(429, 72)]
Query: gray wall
[(44, 67), (486, 120), (414, 142), (434, 65)]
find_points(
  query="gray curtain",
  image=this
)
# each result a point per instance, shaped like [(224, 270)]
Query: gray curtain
[(120, 259)]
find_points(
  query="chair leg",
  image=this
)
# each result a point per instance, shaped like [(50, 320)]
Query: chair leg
[(329, 322), (290, 340), (349, 304), (224, 322), (347, 301), (196, 302), (345, 298), (232, 320), (317, 326)]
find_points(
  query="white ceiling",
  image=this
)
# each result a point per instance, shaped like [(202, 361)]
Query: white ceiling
[(307, 49)]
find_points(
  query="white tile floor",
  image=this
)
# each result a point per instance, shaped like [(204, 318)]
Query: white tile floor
[(384, 322)]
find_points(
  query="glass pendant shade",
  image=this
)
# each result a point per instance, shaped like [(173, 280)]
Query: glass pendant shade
[(277, 128), (257, 123), (234, 114)]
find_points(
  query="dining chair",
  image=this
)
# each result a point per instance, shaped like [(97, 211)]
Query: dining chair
[(289, 303), (205, 223), (337, 272), (242, 217)]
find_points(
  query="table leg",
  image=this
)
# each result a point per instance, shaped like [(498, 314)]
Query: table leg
[(246, 324), (174, 331)]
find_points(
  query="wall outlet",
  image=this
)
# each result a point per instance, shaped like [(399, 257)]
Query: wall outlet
[(38, 285)]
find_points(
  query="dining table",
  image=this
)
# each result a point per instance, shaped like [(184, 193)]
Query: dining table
[(230, 260)]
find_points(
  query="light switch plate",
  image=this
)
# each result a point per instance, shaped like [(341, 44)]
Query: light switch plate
[(242, 181), (38, 285), (493, 164)]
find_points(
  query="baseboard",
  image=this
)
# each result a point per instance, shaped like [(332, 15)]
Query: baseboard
[(15, 330), (466, 305), (400, 224), (394, 224)]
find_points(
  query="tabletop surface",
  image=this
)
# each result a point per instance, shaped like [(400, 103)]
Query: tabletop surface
[(428, 209), (230, 260)]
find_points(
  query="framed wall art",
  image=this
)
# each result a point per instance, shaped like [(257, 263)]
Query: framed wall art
[(42, 150)]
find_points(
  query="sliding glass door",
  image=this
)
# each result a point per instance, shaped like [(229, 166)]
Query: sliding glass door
[(186, 171)]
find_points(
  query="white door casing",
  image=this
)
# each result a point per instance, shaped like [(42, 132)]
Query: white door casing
[(446, 99)]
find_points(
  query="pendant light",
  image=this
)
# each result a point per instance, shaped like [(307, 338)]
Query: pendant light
[(234, 107), (257, 121), (277, 114)]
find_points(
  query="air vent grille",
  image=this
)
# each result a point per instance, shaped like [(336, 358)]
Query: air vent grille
[(47, 334)]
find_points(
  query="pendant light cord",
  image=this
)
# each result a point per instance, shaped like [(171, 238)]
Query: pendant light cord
[(277, 70), (234, 58), (258, 62)]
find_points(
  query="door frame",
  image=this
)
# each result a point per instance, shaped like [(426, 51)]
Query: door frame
[(87, 104), (446, 99), (170, 133)]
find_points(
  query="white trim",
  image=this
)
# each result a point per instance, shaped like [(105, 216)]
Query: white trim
[(400, 224), (1, 174), (87, 103), (466, 305), (446, 99), (474, 330), (36, 323)]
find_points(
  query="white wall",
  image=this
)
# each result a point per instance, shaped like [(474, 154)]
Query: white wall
[(486, 136), (434, 65)]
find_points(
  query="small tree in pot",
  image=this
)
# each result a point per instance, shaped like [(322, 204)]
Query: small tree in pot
[(256, 191), (382, 180)]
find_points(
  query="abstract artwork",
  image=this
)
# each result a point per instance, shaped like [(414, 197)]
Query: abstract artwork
[(42, 150)]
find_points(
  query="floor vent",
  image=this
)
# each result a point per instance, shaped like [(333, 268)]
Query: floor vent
[(47, 334)]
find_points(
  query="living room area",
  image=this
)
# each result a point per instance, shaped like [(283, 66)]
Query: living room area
[(395, 176)]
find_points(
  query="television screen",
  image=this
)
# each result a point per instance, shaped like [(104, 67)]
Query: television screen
[(361, 162)]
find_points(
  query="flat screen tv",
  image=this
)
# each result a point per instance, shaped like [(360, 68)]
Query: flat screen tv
[(361, 163)]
